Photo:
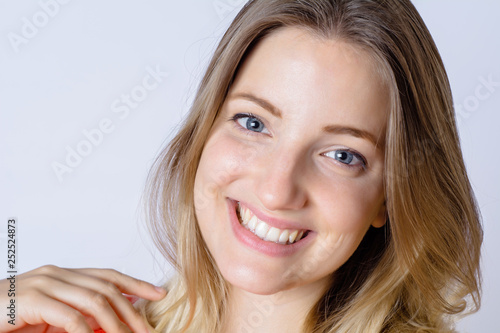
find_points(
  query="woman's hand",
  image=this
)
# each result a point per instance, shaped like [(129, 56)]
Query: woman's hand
[(53, 299)]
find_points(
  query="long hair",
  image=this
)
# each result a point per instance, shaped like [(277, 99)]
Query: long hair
[(412, 275)]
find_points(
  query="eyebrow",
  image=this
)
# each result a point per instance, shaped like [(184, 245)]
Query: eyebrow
[(333, 129), (356, 132), (259, 101)]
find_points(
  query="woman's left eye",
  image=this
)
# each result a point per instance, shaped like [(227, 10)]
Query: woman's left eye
[(251, 123), (347, 157)]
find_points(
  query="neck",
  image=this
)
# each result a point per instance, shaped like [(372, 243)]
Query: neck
[(285, 311)]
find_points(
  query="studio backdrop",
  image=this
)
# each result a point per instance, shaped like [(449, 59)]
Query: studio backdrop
[(91, 90)]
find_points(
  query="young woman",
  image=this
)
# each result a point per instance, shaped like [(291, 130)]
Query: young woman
[(317, 185)]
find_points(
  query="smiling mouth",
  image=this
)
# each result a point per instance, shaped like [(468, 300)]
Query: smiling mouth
[(265, 232)]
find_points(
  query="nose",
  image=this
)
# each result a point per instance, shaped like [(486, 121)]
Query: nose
[(280, 184)]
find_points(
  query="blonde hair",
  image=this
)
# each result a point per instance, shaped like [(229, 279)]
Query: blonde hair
[(411, 275)]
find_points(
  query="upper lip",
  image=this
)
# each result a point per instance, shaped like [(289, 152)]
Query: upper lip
[(272, 221)]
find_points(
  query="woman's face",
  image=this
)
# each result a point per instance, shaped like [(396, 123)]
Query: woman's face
[(290, 178)]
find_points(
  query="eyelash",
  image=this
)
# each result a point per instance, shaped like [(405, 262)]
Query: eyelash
[(363, 164), (238, 116)]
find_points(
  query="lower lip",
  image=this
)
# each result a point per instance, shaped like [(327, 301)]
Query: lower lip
[(249, 239)]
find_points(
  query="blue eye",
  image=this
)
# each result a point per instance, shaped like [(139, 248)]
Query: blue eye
[(347, 157), (250, 123)]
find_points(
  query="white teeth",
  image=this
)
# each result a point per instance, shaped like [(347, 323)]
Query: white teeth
[(266, 232), (241, 212), (292, 236), (273, 235), (252, 224), (262, 230), (284, 237), (246, 215)]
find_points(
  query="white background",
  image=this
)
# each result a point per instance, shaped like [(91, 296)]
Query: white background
[(65, 76)]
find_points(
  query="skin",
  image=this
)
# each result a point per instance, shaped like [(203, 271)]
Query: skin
[(287, 169), (52, 299)]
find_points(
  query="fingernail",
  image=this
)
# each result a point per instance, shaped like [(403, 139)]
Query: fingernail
[(160, 290)]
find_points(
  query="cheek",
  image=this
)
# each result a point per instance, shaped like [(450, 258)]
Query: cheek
[(347, 209), (222, 162), (350, 205)]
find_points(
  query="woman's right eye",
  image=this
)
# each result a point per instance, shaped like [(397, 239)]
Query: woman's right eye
[(250, 123)]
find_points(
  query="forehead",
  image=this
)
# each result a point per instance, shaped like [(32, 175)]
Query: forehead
[(306, 75)]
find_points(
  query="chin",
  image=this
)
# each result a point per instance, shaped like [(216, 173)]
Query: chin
[(255, 283)]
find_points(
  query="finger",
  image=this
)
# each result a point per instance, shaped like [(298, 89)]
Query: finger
[(120, 304), (125, 283), (47, 328), (61, 283), (96, 305), (55, 314)]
